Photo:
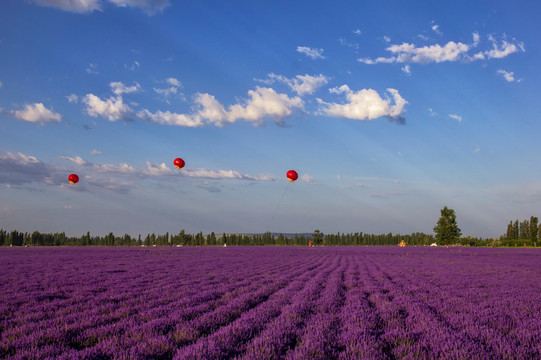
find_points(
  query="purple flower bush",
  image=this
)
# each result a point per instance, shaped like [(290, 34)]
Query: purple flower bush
[(270, 303)]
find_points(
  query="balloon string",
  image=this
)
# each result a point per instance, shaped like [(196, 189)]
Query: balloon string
[(277, 206)]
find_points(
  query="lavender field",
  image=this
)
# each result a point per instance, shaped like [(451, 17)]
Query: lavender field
[(270, 303)]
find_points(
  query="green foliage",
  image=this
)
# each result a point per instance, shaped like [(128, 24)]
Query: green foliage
[(447, 230), (518, 232)]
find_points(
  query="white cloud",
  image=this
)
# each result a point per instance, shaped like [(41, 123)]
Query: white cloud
[(307, 178), (436, 29), (20, 158), (435, 53), (406, 69), (387, 39), (263, 102), (119, 88), (302, 84), (506, 48), (211, 109), (76, 160), (314, 54), (37, 113), (365, 104), (432, 112), (150, 7), (76, 6), (452, 51), (357, 32), (95, 152), (113, 108), (123, 168), (477, 149), (169, 118), (1, 84), (173, 81), (456, 117), (173, 89), (92, 69), (72, 98), (166, 92), (224, 174), (507, 75), (158, 169), (476, 39)]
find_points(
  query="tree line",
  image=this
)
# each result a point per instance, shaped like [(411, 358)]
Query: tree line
[(36, 238), (519, 233), (447, 232)]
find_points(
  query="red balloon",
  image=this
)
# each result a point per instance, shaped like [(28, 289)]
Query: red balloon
[(179, 163), (73, 178), (292, 175)]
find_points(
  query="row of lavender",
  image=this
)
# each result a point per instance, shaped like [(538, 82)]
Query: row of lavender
[(270, 303)]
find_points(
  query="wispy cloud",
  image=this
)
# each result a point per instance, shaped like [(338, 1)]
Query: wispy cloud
[(436, 29), (171, 90), (149, 7), (301, 84), (173, 81), (151, 170), (365, 104), (410, 53), (224, 174), (503, 49), (451, 51), (92, 69), (167, 91), (72, 98), (406, 69), (76, 160), (456, 117), (313, 54), (75, 6), (169, 118), (119, 88), (307, 178), (508, 75), (37, 113), (136, 65), (346, 43)]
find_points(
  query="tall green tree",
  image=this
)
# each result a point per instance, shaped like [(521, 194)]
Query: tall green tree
[(534, 230), (524, 229), (317, 237), (447, 230)]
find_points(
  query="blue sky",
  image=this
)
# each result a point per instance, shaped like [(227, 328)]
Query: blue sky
[(388, 110)]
